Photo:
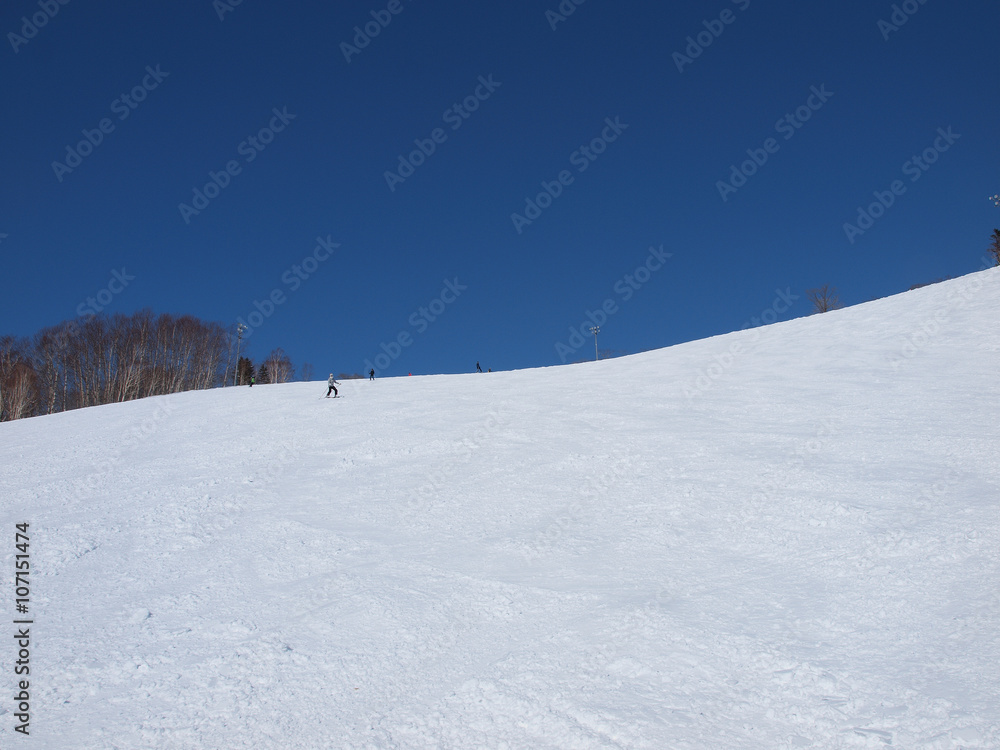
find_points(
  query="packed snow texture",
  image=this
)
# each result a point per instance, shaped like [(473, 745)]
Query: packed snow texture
[(785, 537)]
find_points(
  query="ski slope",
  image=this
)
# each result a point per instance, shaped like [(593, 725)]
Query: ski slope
[(781, 538)]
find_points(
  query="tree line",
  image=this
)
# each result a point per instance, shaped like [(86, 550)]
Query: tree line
[(102, 359)]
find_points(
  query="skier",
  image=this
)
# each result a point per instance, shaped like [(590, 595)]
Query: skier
[(371, 374), (478, 368), (253, 380), (333, 386)]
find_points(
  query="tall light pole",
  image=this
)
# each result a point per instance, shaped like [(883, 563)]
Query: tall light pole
[(240, 328), (595, 330)]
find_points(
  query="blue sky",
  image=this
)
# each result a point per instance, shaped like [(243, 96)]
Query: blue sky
[(617, 114)]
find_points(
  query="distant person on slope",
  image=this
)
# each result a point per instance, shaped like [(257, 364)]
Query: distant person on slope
[(371, 374), (333, 386), (478, 368), (252, 380)]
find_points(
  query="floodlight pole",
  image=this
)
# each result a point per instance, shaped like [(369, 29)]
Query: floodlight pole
[(595, 330), (239, 338)]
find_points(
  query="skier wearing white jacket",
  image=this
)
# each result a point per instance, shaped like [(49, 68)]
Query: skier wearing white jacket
[(333, 386)]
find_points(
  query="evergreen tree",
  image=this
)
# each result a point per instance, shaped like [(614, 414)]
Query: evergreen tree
[(244, 370), (995, 247)]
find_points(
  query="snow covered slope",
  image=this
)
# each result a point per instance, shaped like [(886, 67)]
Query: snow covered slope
[(780, 538)]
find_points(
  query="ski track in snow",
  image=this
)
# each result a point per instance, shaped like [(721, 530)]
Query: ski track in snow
[(804, 554)]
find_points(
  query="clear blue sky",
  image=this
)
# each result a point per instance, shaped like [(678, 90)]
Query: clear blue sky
[(208, 84)]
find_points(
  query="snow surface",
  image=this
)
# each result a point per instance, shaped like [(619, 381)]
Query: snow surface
[(799, 550)]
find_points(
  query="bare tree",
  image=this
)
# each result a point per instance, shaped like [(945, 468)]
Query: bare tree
[(97, 360), (50, 367), (824, 299), (18, 382), (279, 366), (20, 391)]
